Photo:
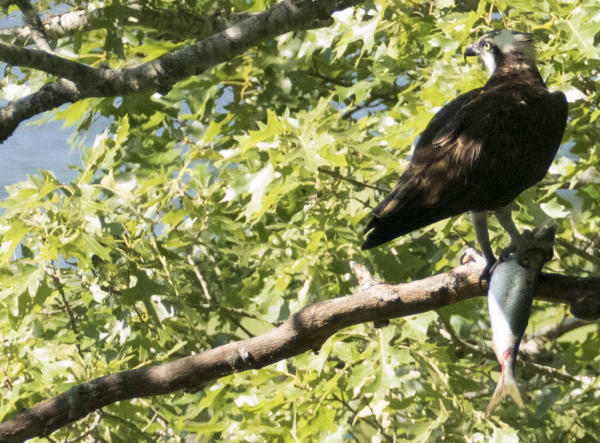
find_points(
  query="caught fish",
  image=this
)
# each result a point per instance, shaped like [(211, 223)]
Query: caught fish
[(510, 296)]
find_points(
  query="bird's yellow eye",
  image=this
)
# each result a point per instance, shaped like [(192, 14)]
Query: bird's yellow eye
[(486, 45)]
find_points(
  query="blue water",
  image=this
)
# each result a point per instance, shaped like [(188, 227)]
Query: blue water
[(34, 147)]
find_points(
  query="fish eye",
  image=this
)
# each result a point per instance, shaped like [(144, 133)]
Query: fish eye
[(486, 45)]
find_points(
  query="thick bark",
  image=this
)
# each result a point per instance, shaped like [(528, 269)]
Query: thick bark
[(307, 329), (48, 97), (177, 25)]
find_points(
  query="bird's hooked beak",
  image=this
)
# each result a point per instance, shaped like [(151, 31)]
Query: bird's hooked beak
[(470, 52)]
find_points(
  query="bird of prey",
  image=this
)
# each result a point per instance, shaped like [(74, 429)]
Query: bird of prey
[(481, 150)]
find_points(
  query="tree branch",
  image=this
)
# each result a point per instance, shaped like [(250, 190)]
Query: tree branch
[(307, 329), (178, 24), (32, 20), (552, 332), (360, 184), (48, 97), (47, 62), (579, 292), (163, 72)]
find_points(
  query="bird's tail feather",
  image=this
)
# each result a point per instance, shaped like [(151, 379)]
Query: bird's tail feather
[(507, 385), (383, 229)]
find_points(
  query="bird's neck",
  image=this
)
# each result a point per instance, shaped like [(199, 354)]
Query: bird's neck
[(515, 68)]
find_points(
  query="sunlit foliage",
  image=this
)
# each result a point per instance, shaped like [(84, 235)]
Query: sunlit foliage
[(208, 214)]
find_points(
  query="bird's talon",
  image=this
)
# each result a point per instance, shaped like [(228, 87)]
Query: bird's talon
[(471, 255), (466, 258), (486, 274)]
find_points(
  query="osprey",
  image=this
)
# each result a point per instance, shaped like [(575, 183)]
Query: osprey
[(481, 150)]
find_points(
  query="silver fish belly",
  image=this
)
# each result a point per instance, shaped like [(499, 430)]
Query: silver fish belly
[(510, 296)]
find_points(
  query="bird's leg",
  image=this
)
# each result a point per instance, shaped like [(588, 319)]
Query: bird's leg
[(504, 216), (517, 240), (483, 238), (526, 243)]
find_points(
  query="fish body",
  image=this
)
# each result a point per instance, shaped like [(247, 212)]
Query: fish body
[(510, 296)]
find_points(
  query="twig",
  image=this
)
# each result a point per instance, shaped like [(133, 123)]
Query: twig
[(555, 373), (375, 424), (142, 320), (61, 290), (364, 277), (351, 180), (335, 81), (32, 19), (459, 341), (212, 302), (237, 311), (554, 331), (364, 203), (569, 247), (91, 428), (152, 420), (477, 394), (7, 382), (365, 104), (200, 279), (129, 424)]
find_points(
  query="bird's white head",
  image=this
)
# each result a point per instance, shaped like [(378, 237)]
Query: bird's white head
[(493, 46)]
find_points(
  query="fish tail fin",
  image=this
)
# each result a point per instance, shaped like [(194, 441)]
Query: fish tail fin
[(507, 385)]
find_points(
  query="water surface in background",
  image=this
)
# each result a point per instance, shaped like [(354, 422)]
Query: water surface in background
[(34, 147)]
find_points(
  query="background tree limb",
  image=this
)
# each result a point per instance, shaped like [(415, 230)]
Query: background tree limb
[(32, 19), (307, 329), (163, 72), (178, 24)]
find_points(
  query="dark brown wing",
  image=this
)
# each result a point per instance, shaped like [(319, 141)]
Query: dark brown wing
[(444, 119), (478, 153)]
